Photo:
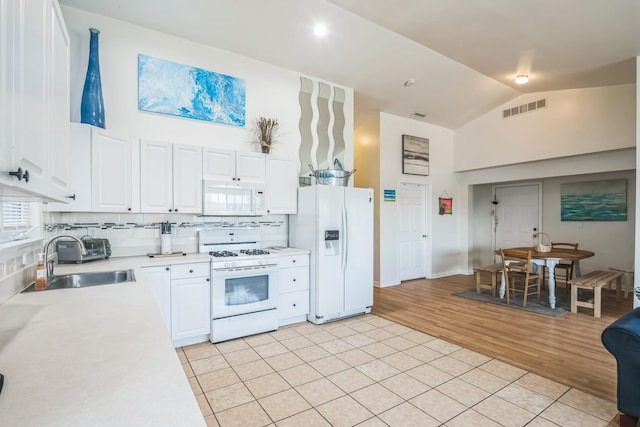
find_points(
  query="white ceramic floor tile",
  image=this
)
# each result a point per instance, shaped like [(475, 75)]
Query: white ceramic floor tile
[(371, 372)]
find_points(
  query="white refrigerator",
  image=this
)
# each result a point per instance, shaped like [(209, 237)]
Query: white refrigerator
[(336, 225)]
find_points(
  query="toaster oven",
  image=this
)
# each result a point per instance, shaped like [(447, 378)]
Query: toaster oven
[(69, 251)]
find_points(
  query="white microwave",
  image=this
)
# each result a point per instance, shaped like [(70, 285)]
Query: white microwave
[(233, 198)]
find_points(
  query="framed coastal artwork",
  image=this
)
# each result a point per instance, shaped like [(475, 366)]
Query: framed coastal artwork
[(181, 90), (415, 155), (594, 201)]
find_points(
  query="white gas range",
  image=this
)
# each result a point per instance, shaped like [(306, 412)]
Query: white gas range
[(244, 283)]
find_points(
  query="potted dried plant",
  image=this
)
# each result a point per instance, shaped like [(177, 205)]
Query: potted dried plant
[(266, 131)]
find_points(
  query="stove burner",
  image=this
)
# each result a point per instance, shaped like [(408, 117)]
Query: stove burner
[(254, 252), (222, 253)]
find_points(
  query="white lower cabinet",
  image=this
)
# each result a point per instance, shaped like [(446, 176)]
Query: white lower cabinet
[(293, 305), (190, 303), (159, 282), (183, 295)]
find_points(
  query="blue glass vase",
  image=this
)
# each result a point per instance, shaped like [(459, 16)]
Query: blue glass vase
[(92, 106)]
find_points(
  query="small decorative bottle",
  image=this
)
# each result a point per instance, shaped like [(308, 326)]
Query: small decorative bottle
[(92, 106), (41, 273)]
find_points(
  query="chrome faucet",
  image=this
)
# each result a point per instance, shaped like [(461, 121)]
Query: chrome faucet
[(46, 251)]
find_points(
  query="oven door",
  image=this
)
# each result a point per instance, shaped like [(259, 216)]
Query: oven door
[(237, 291)]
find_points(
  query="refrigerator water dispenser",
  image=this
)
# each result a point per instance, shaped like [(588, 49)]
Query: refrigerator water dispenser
[(331, 242)]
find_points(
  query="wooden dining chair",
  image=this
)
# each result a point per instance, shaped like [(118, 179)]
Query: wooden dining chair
[(517, 272), (564, 267)]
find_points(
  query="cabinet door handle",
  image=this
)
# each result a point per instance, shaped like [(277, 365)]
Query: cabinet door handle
[(72, 197), (294, 280), (175, 210), (167, 268), (129, 209), (208, 279), (17, 174), (294, 261), (190, 271), (170, 210), (294, 305), (26, 176)]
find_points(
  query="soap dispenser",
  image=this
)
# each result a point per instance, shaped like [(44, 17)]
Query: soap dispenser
[(41, 273)]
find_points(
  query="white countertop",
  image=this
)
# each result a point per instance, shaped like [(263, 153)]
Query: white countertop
[(95, 356)]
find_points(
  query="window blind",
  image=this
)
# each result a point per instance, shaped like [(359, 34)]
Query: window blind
[(15, 215)]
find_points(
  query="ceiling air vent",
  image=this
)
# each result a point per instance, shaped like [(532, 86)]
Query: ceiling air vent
[(419, 115), (524, 108)]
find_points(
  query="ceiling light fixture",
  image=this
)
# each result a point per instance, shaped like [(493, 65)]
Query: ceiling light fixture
[(410, 82), (522, 79), (320, 30)]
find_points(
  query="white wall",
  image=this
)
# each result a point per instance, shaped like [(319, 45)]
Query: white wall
[(611, 241), (366, 147), (575, 122), (636, 302), (270, 91), (443, 234)]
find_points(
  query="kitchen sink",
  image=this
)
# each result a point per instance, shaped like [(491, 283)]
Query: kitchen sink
[(82, 280)]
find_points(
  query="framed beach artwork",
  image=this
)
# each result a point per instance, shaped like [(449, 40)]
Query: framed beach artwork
[(594, 201), (415, 155), (181, 90)]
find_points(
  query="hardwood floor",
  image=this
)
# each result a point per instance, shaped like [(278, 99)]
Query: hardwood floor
[(566, 349)]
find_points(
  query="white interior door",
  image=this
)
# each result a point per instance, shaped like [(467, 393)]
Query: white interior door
[(413, 231), (517, 215)]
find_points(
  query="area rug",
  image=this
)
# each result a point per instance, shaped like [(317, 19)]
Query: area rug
[(563, 301)]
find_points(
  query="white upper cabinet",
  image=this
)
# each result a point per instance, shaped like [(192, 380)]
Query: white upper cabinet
[(115, 174), (170, 177), (34, 97), (30, 88), (78, 192), (250, 167), (187, 179), (233, 166), (8, 24), (282, 185), (59, 107), (156, 176)]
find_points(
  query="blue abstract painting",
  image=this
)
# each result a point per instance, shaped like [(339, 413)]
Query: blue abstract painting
[(594, 201), (180, 90)]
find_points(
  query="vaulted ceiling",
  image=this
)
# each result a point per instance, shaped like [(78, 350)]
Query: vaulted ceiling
[(462, 54)]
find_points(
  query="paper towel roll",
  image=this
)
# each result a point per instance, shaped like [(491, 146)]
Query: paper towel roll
[(165, 243)]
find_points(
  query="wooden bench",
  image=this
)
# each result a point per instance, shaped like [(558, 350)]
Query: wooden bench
[(594, 281), (495, 270)]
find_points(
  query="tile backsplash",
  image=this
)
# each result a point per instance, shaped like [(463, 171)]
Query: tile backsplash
[(128, 234), (139, 234)]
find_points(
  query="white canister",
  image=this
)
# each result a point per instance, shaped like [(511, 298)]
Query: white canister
[(165, 243)]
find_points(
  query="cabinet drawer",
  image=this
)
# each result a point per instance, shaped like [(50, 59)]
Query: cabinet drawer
[(293, 260), (185, 271), (293, 304), (294, 279)]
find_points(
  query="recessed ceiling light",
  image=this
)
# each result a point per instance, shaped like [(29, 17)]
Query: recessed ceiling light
[(522, 79), (320, 30), (410, 82)]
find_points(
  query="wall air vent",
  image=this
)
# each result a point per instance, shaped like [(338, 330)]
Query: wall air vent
[(524, 108), (419, 115)]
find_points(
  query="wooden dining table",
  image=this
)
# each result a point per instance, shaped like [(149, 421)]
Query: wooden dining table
[(550, 260)]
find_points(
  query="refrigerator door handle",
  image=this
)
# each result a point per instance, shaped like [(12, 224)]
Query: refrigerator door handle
[(345, 233)]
